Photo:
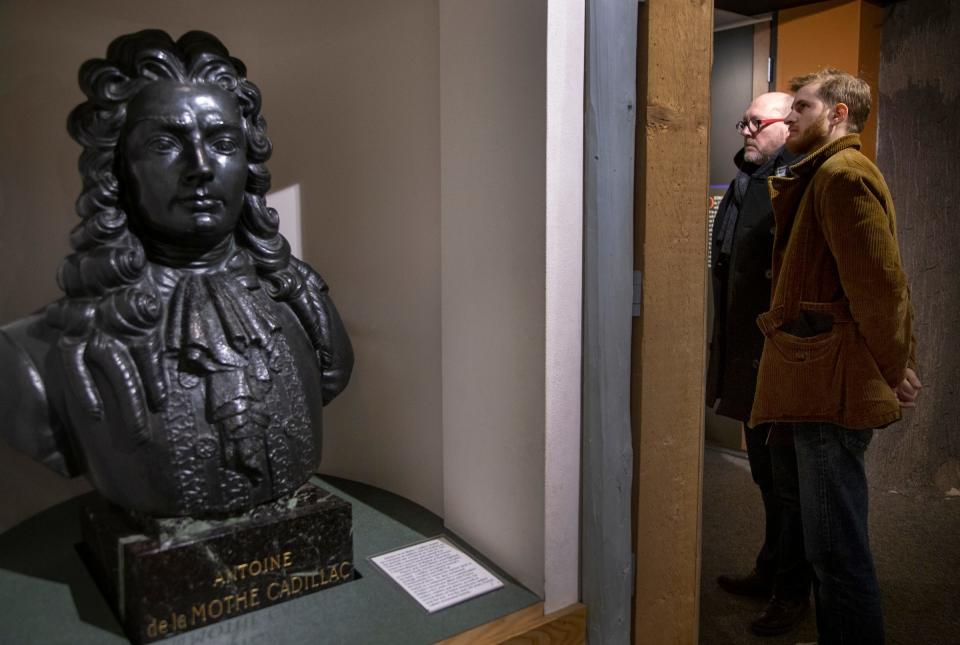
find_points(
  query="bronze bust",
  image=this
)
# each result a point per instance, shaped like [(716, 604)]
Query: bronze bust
[(185, 368)]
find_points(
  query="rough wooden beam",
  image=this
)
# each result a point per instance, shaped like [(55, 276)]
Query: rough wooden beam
[(674, 58)]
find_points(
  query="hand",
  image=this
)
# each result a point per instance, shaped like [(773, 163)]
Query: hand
[(908, 389)]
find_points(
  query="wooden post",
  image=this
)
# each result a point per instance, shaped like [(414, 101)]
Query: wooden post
[(674, 57)]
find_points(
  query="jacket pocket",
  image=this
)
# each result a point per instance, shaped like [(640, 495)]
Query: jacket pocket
[(800, 378), (806, 350)]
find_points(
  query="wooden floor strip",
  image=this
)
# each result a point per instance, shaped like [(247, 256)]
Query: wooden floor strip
[(529, 626)]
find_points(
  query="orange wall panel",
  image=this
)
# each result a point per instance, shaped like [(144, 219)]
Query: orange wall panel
[(837, 33), (825, 34)]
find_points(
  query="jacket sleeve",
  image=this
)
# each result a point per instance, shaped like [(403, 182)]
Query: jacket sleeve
[(858, 222)]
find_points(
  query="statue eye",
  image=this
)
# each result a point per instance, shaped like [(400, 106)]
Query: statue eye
[(225, 145), (163, 144)]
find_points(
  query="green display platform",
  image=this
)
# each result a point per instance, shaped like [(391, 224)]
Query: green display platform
[(47, 595)]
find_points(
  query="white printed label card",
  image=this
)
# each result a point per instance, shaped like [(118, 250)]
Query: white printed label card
[(436, 573)]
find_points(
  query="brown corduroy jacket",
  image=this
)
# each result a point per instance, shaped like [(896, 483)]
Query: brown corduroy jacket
[(835, 256)]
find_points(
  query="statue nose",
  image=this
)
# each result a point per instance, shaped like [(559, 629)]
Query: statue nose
[(200, 168)]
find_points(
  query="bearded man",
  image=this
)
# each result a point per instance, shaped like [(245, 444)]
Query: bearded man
[(741, 244), (838, 354)]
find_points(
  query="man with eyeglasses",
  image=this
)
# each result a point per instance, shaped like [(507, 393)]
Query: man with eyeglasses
[(742, 243)]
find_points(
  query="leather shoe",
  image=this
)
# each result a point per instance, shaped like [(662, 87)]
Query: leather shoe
[(780, 616), (752, 584)]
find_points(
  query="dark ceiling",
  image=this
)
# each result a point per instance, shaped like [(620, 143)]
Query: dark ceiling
[(753, 7)]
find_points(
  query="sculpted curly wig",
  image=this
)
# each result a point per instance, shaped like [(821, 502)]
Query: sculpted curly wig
[(105, 277)]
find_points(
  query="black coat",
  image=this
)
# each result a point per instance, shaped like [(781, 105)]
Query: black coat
[(741, 287)]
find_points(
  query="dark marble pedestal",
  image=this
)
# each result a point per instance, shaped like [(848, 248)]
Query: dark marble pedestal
[(167, 576)]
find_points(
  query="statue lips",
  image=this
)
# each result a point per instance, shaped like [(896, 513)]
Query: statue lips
[(201, 202)]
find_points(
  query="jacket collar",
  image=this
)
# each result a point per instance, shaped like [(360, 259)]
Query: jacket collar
[(787, 192), (809, 164)]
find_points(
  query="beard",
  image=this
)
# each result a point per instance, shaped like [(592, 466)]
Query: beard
[(810, 139), (754, 156)]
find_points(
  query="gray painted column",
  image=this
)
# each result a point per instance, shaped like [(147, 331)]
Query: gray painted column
[(607, 455)]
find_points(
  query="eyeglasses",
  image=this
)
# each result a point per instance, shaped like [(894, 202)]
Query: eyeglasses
[(754, 125)]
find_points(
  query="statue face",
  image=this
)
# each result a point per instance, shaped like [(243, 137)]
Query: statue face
[(187, 162)]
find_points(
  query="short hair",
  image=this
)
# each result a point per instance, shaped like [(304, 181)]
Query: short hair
[(837, 86)]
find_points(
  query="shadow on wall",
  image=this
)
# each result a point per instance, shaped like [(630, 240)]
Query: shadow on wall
[(918, 141)]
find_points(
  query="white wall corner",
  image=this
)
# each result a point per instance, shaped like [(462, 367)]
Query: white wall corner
[(287, 203), (564, 288)]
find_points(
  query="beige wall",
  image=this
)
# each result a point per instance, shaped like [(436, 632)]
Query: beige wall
[(493, 108), (351, 95)]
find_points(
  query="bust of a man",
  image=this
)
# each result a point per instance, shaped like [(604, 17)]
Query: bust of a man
[(185, 369)]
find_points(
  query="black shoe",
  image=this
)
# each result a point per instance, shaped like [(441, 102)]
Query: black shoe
[(780, 616), (752, 584)]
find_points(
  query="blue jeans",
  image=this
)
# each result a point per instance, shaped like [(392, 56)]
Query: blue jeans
[(833, 502), (781, 558)]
